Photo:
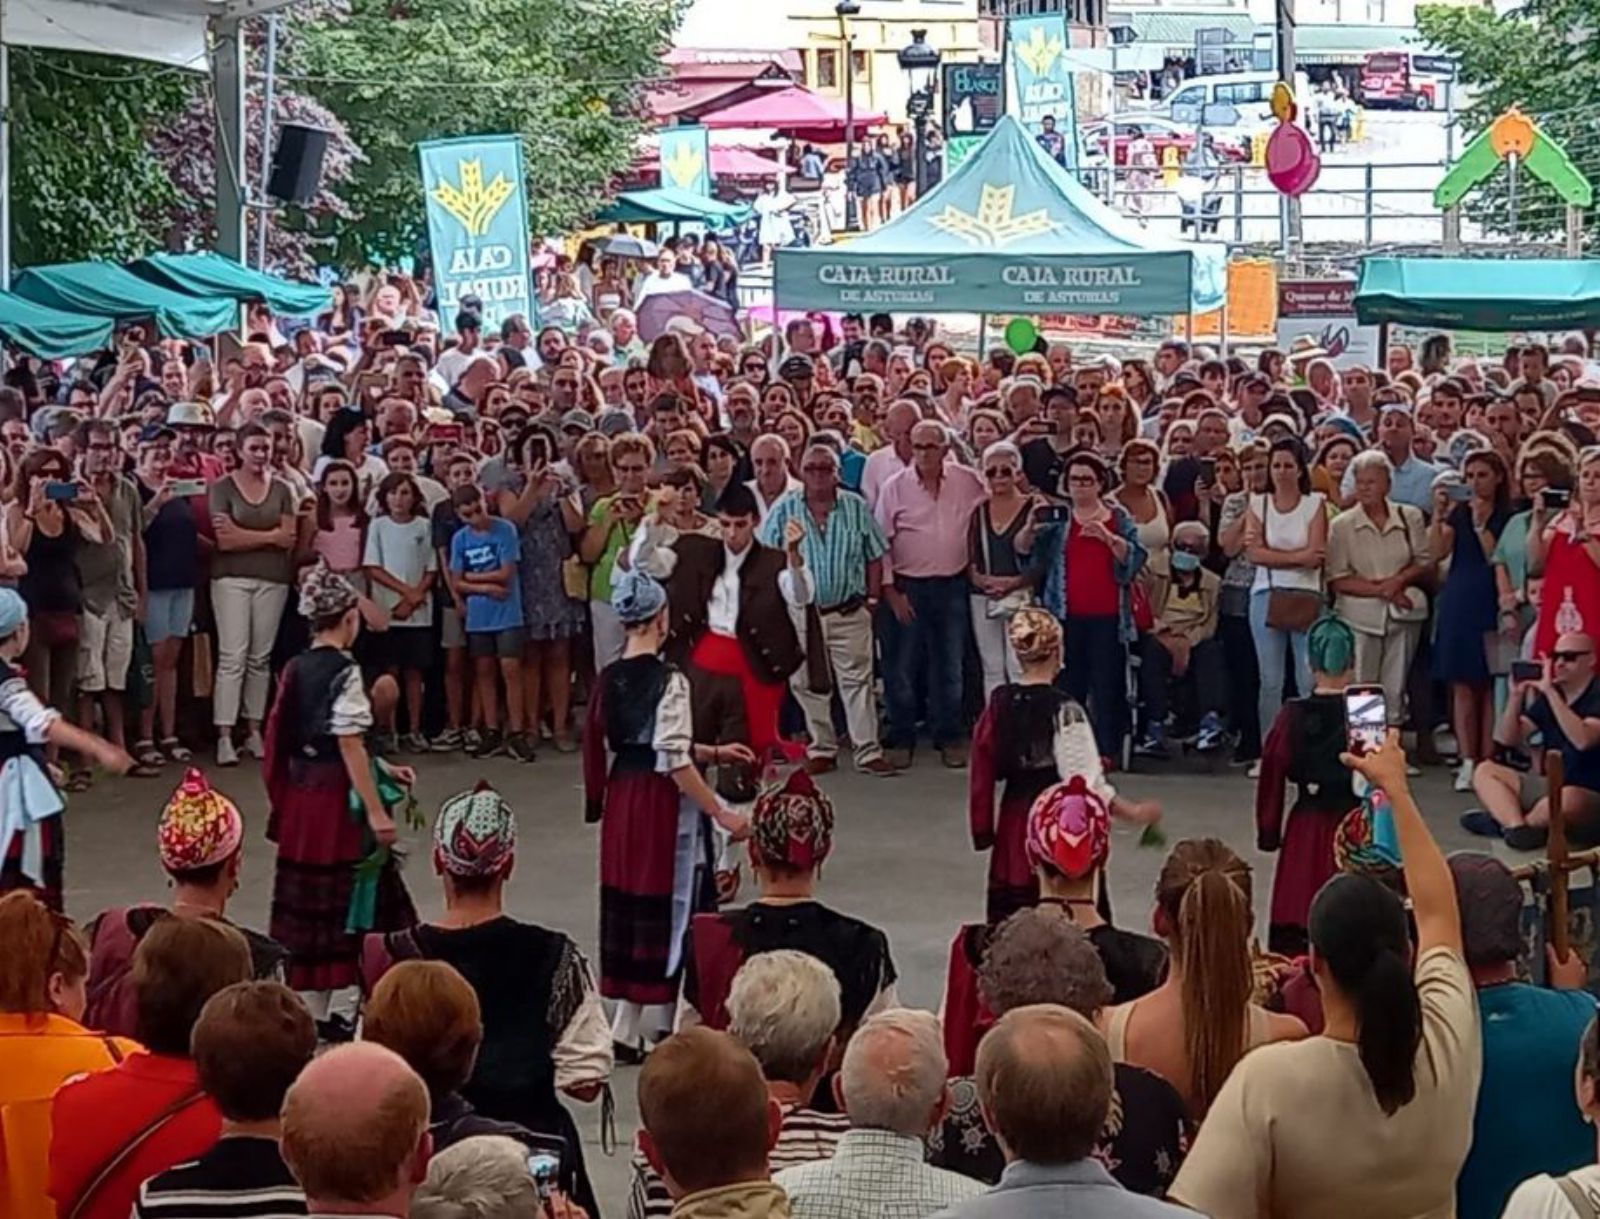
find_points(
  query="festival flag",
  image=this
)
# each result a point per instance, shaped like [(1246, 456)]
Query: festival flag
[(478, 224)]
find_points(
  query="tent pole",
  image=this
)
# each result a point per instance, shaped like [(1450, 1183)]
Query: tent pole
[(983, 335), (5, 157), (228, 65), (1222, 326)]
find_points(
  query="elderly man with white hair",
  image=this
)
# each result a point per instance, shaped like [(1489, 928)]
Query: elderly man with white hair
[(488, 1176), (769, 458), (892, 1086), (784, 1007)]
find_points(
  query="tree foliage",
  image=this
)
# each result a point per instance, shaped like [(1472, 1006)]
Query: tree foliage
[(1540, 57), (565, 74)]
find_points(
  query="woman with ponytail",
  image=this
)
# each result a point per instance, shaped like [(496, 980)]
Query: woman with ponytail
[(1195, 1026), (1303, 748), (1374, 1116)]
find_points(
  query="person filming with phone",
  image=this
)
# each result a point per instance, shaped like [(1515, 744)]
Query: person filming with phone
[(1560, 700)]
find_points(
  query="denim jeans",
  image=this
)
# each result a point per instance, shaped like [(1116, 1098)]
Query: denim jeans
[(935, 641), (1096, 675), (1270, 645)]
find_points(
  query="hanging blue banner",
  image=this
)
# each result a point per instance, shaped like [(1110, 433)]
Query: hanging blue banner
[(686, 159), (478, 224), (1042, 84)]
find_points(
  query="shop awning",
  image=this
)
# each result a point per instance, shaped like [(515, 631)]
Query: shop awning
[(1177, 30), (50, 334), (668, 205), (210, 274), (1350, 44), (1480, 293), (795, 112), (726, 163), (103, 289)]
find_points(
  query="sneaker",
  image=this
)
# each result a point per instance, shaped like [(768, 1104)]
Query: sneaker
[(1153, 744), (954, 756), (519, 748), (1477, 821), (489, 744), (900, 759), (1212, 734), (1464, 775), (564, 742), (878, 768), (227, 755), (472, 740), (1255, 770), (447, 741), (254, 745), (821, 766), (414, 743), (1527, 837)]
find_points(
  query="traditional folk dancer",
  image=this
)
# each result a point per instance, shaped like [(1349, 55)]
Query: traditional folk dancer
[(33, 842), (731, 630), (656, 867), (791, 836), (336, 877), (1030, 736), (1303, 747)]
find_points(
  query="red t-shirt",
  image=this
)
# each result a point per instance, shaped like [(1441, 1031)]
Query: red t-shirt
[(93, 1118), (1091, 579)]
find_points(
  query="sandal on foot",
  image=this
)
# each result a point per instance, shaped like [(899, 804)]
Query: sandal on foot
[(78, 781), (174, 749), (146, 754)]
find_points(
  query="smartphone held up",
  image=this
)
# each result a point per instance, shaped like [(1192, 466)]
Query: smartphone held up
[(1366, 719)]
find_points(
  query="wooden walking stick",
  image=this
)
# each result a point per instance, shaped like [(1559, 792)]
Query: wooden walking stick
[(1556, 852)]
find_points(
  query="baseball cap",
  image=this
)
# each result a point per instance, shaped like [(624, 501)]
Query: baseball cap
[(1490, 899), (797, 368), (578, 418)]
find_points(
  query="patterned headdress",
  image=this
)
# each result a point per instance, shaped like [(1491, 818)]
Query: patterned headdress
[(199, 827), (324, 593), (476, 833), (636, 597), (1034, 634), (1069, 828), (791, 824)]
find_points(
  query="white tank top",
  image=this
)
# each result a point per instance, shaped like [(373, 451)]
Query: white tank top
[(1288, 531)]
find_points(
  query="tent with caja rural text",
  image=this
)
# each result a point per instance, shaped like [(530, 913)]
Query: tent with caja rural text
[(1009, 232)]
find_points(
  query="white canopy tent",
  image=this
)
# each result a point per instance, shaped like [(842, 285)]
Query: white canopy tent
[(205, 35)]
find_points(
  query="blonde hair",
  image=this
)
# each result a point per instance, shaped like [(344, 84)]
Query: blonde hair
[(1034, 634)]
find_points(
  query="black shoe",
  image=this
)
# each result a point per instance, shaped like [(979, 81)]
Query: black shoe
[(489, 744), (1479, 822), (626, 1055), (519, 748), (336, 1030), (1527, 837)]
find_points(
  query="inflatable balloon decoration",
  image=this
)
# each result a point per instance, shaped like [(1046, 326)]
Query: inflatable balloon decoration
[(1292, 160), (1021, 335)]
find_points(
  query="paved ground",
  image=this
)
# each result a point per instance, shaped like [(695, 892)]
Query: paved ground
[(902, 861)]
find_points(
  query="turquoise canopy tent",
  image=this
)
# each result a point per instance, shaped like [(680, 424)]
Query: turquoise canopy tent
[(1480, 293), (49, 333), (106, 290), (669, 205), (1009, 232), (209, 274)]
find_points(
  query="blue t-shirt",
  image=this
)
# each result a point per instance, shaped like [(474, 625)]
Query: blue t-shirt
[(474, 554), (1582, 765), (1527, 1120)]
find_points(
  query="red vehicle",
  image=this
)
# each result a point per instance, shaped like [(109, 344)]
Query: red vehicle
[(1405, 80), (1162, 134)]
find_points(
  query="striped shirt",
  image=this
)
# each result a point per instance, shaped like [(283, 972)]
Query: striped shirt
[(837, 553), (805, 1136), (242, 1177)]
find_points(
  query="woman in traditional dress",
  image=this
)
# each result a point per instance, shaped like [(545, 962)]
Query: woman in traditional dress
[(32, 841), (1303, 748), (655, 847), (791, 836), (545, 1034), (316, 758), (1029, 736)]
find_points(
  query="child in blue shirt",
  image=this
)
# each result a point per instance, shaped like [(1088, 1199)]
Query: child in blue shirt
[(483, 559)]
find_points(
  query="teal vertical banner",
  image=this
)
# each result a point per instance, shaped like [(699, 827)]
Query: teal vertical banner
[(1042, 82), (686, 159), (478, 224)]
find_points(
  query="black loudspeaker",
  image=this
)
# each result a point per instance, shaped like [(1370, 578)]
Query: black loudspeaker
[(297, 164)]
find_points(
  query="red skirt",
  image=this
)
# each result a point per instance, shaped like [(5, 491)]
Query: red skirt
[(1305, 864), (53, 846), (319, 846), (1013, 885), (638, 849)]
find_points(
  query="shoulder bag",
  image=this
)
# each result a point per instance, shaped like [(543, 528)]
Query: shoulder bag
[(1018, 598), (1578, 1198), (1289, 609)]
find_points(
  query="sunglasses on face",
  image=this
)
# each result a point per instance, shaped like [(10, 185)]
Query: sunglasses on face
[(1000, 472), (1568, 657)]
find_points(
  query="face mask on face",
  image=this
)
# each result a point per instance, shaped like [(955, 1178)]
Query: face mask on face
[(1183, 561)]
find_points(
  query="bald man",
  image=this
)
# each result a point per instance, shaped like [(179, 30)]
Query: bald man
[(1563, 706), (1044, 1082), (708, 1126), (923, 512), (895, 455), (355, 1132)]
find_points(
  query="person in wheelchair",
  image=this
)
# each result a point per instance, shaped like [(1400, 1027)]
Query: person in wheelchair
[(1180, 657)]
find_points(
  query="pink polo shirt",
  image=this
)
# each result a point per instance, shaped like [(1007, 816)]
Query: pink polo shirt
[(928, 533)]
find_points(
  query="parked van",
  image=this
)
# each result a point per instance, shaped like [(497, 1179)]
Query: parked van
[(1406, 79), (1248, 93)]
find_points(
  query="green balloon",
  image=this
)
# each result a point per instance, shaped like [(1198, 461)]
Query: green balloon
[(1021, 334)]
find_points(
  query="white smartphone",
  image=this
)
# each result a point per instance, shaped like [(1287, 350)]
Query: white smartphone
[(1366, 718)]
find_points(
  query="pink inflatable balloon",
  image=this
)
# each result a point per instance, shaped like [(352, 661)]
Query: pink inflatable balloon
[(1292, 160)]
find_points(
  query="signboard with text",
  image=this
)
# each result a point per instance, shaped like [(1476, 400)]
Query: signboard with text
[(478, 224), (1042, 84), (1325, 310), (974, 98)]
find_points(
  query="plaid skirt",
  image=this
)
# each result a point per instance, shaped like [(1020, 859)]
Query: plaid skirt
[(319, 846)]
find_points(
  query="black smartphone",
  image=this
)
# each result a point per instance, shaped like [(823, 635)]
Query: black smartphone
[(1052, 514), (1366, 718), (1208, 470), (1526, 670), (547, 1161), (61, 492), (1459, 493), (1556, 498), (395, 338)]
